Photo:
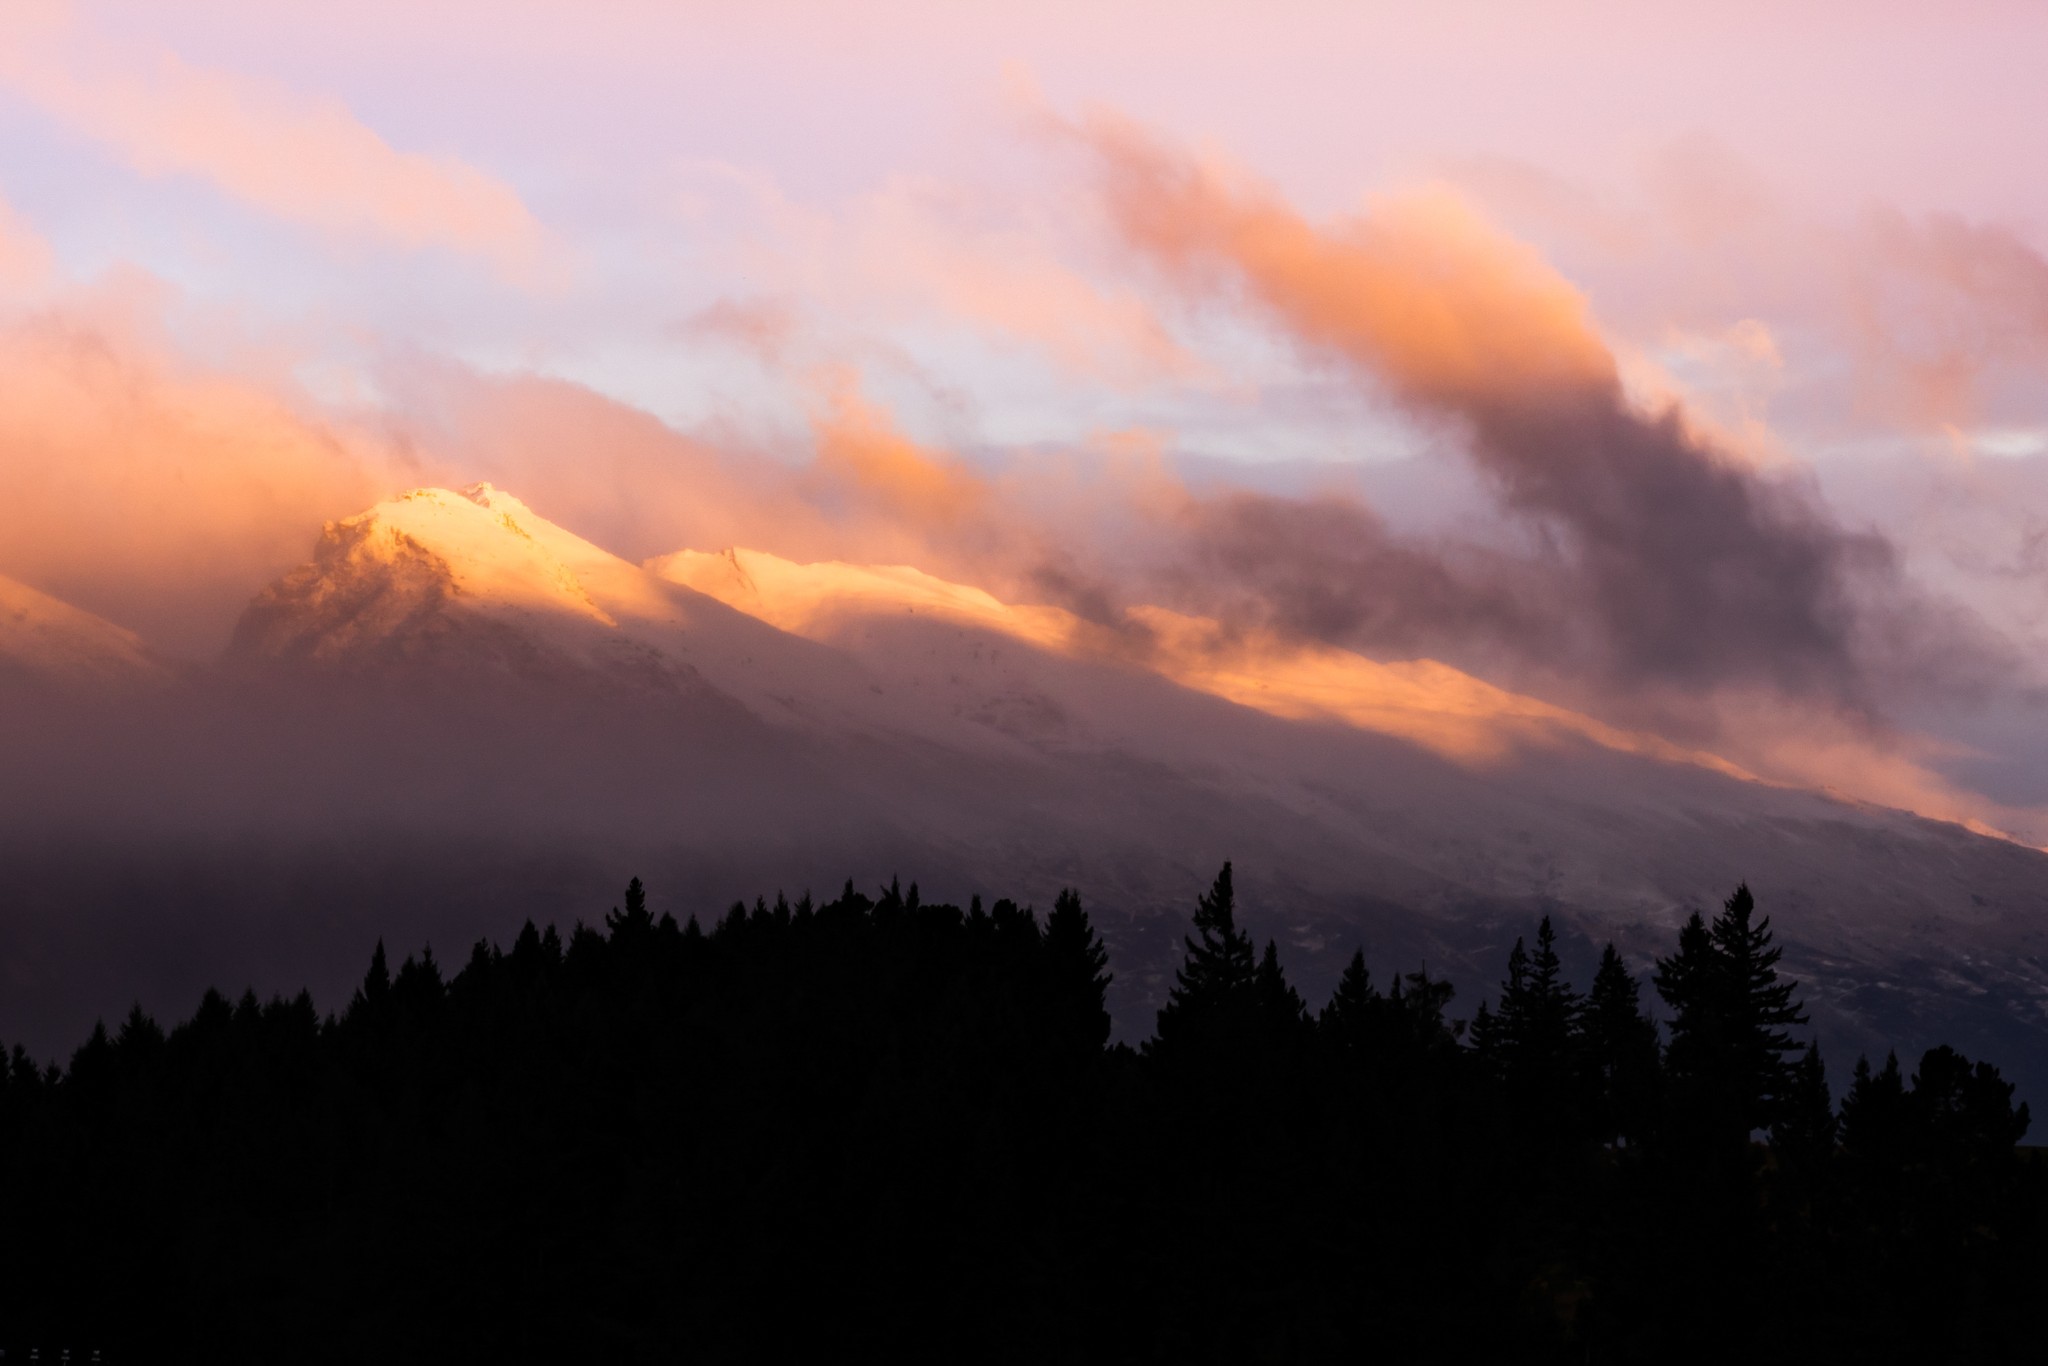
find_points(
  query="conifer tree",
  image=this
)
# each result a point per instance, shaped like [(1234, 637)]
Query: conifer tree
[(1966, 1110), (1283, 1016), (1618, 1049), (634, 923), (1531, 1041), (1416, 1007), (1352, 1021), (1077, 970), (1730, 1014), (1876, 1123), (1495, 1032), (1804, 1135), (1547, 1015), (376, 987), (1217, 977)]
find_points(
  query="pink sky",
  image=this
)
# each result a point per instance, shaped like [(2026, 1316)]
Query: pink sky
[(850, 277)]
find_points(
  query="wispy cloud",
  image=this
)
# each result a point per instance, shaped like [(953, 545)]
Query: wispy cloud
[(299, 157), (25, 258)]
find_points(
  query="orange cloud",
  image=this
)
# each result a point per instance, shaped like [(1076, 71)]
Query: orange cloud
[(151, 493), (858, 489), (861, 448), (1421, 291), (307, 161)]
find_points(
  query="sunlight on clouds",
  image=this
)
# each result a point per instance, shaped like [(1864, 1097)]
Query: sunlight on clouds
[(305, 159)]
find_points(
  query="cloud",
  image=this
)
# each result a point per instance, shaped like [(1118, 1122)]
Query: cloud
[(851, 485), (1943, 309), (764, 327), (153, 492), (1682, 567), (26, 262), (1328, 568), (861, 451), (306, 160), (917, 255)]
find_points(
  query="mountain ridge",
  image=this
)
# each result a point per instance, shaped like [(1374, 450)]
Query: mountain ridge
[(451, 667)]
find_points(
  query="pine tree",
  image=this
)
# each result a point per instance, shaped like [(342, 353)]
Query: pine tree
[(1531, 1041), (1548, 1016), (1761, 1007), (1283, 1017), (1496, 1033), (1416, 1007), (1355, 1017), (376, 987), (1876, 1124), (1217, 979), (1967, 1110), (1731, 1011), (1804, 1135), (1077, 971), (1618, 1049), (634, 924)]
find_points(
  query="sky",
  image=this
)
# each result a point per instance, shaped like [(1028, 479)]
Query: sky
[(1678, 364)]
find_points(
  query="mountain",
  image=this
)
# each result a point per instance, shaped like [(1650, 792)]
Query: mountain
[(50, 643), (455, 694), (1904, 928), (873, 612)]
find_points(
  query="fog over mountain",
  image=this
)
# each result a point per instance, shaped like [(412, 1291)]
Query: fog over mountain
[(456, 715)]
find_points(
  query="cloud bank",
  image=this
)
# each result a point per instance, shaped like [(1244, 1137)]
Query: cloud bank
[(1666, 562)]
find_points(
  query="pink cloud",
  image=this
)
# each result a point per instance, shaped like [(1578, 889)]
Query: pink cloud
[(919, 251), (25, 259), (1945, 308), (765, 327), (1422, 292), (304, 159)]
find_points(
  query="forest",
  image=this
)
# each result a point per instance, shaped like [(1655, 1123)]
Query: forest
[(879, 1127)]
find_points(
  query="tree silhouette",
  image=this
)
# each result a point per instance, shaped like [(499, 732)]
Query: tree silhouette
[(892, 1125), (1730, 1013), (1803, 1135), (1618, 1048), (1217, 979), (1077, 972), (1354, 1021), (1876, 1122)]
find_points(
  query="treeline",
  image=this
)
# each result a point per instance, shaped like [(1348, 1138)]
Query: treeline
[(881, 1127)]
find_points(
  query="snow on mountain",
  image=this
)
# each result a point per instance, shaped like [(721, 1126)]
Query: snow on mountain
[(476, 584), (758, 720), (1427, 703), (49, 641)]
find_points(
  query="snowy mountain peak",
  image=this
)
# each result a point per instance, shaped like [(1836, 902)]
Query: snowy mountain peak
[(415, 568)]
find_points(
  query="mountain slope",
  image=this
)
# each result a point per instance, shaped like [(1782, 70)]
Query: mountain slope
[(1473, 810), (451, 672), (45, 640), (865, 609)]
